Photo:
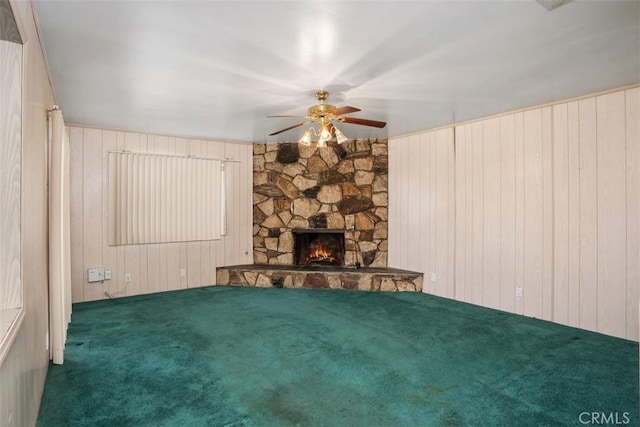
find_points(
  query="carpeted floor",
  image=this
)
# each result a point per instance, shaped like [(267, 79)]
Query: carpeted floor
[(224, 356)]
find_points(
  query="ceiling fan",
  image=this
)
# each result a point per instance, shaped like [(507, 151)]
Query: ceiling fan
[(325, 115)]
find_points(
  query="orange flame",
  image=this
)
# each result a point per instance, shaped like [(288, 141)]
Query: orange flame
[(320, 253)]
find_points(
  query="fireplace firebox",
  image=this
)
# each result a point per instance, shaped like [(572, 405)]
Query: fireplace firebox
[(318, 247)]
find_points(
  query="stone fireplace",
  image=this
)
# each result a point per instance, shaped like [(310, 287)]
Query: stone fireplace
[(338, 188), (320, 220), (318, 247)]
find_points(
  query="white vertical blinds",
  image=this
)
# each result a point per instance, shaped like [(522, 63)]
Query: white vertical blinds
[(157, 198)]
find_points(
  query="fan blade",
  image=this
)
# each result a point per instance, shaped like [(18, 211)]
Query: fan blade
[(345, 110), (289, 128), (365, 122)]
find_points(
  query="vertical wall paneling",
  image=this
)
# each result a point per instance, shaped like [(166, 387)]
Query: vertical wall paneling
[(404, 198), (443, 212), (245, 156), (468, 217), (396, 203), (432, 217), (239, 174), (233, 221), (520, 211), (533, 218), (612, 215), (547, 214), (420, 201), (109, 253), (393, 201), (92, 207), (412, 216), (588, 215), (76, 140), (561, 213), (231, 170), (421, 213), (632, 100), (547, 200), (477, 272), (491, 212), (460, 253), (152, 267), (507, 219), (573, 220), (449, 143)]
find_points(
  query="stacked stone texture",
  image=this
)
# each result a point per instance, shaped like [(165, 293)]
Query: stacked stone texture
[(340, 187), (363, 280)]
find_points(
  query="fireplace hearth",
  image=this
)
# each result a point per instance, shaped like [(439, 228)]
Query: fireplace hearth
[(318, 247)]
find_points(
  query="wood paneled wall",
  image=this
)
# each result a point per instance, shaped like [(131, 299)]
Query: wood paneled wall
[(153, 267), (504, 203), (421, 208), (23, 372), (10, 149), (546, 199)]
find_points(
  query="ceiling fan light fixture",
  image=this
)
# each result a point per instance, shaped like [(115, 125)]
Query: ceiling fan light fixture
[(340, 136), (324, 116), (306, 137), (324, 136)]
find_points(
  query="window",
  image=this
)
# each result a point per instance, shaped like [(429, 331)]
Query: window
[(161, 198)]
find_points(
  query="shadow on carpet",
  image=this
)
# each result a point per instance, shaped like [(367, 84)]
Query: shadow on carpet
[(236, 356)]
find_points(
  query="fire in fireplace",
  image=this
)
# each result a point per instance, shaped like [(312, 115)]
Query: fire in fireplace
[(318, 247)]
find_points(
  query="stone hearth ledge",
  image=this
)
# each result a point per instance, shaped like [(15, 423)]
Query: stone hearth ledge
[(288, 276)]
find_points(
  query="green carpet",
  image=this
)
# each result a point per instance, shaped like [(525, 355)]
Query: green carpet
[(225, 356)]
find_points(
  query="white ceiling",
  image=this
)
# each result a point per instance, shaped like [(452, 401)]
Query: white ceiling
[(216, 69)]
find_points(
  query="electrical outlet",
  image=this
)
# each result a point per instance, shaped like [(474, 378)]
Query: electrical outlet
[(434, 277), (127, 277), (107, 274), (519, 291), (183, 272)]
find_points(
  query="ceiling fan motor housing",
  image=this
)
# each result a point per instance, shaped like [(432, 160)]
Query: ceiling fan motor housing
[(321, 110)]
